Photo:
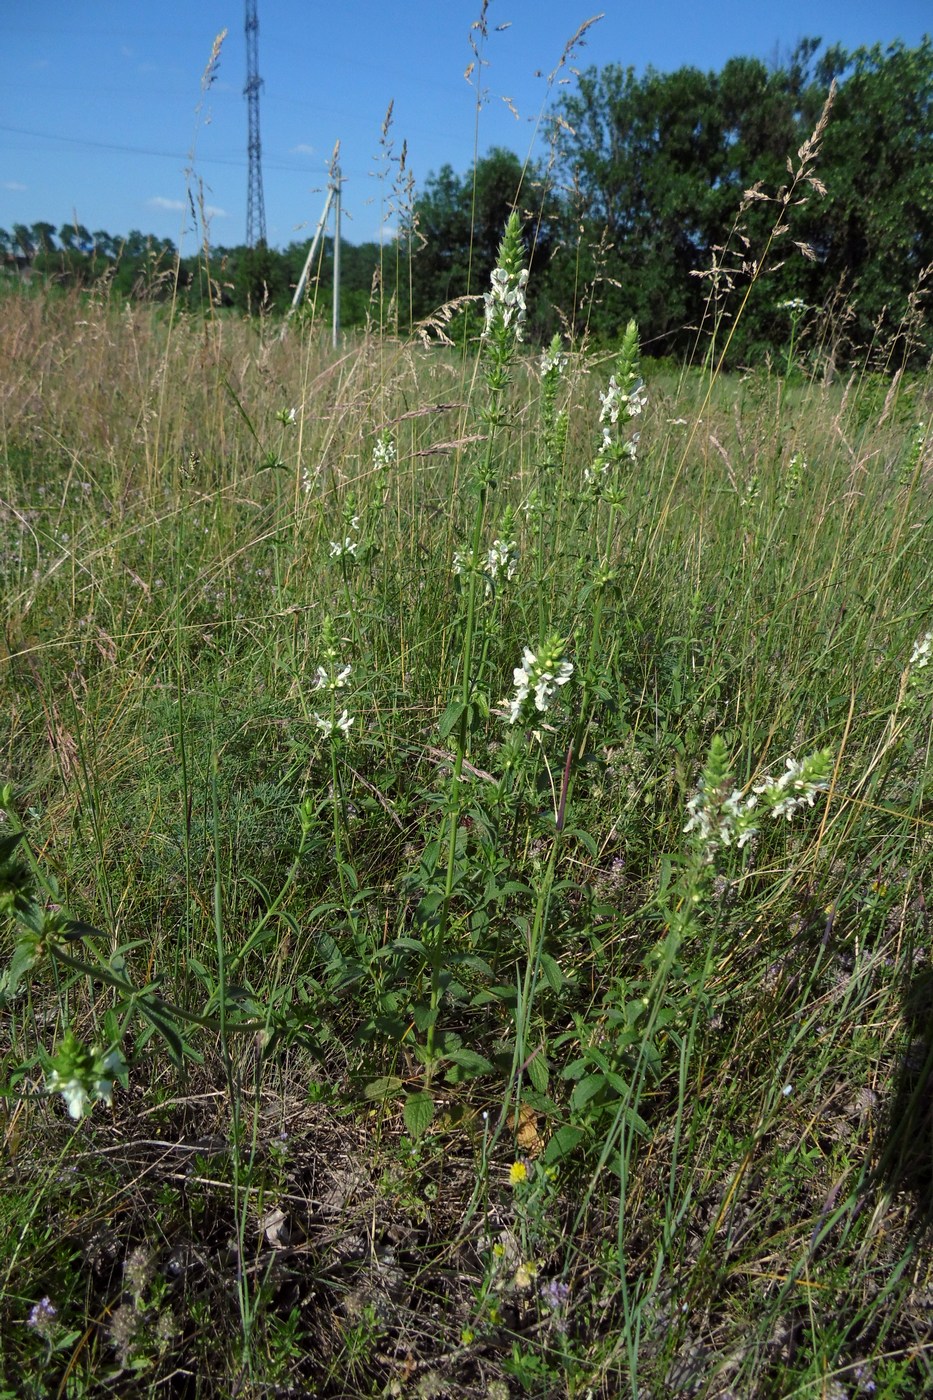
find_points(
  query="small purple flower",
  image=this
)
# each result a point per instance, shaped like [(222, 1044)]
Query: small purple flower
[(42, 1317), (555, 1294)]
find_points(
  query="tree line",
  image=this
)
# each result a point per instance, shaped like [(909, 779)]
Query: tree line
[(660, 196)]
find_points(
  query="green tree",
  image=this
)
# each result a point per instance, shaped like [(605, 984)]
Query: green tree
[(456, 226), (43, 237), (875, 227), (260, 280), (23, 243), (660, 163)]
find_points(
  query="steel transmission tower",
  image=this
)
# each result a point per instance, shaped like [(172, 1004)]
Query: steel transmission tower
[(255, 204)]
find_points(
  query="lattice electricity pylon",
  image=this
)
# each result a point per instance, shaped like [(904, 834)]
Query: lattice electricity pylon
[(255, 204)]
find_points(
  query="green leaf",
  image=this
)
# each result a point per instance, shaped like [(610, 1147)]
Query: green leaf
[(423, 1017), (636, 1121), (586, 1090), (585, 840), (469, 1059), (472, 961), (412, 945), (541, 1103), (350, 875), (552, 973), (634, 1010), (159, 1018), (428, 907), (564, 1141), (499, 892), (383, 1088), (538, 1072), (8, 845), (24, 956), (419, 1110), (451, 717)]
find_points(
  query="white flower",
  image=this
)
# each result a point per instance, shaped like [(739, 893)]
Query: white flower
[(505, 302), (798, 785), (553, 360), (338, 550), (611, 402), (720, 823), (920, 656), (75, 1093), (83, 1076), (636, 400), (499, 565), (502, 560), (539, 675), (325, 681), (384, 453), (342, 722)]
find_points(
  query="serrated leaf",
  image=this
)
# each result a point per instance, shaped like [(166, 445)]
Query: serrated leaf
[(538, 1072), (418, 1112), (575, 1069), (423, 1017), (541, 1103), (382, 1088), (469, 1059), (564, 1141)]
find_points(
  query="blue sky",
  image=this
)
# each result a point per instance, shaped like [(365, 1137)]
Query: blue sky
[(101, 108)]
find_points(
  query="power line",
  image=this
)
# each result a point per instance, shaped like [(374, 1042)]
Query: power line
[(87, 144)]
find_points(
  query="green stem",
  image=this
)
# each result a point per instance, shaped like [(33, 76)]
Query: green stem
[(438, 942)]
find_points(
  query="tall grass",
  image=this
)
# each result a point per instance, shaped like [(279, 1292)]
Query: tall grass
[(484, 1076)]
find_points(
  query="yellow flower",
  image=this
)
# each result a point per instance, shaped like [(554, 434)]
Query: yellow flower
[(518, 1173)]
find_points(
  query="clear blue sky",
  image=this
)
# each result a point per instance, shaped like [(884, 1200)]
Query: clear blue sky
[(99, 99)]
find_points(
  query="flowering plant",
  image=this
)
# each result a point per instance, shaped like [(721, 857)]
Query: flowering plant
[(538, 678)]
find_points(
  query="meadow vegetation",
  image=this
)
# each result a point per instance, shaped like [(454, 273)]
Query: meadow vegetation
[(465, 860)]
